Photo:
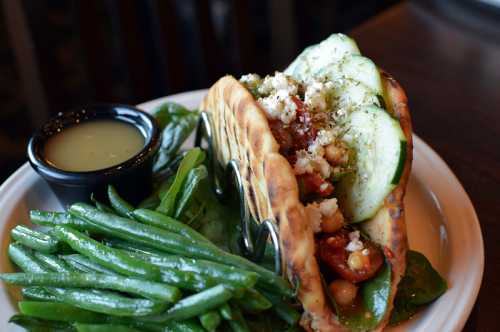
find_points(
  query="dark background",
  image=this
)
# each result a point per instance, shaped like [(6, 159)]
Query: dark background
[(57, 54), (445, 53)]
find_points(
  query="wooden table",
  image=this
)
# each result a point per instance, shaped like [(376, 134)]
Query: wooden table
[(451, 74)]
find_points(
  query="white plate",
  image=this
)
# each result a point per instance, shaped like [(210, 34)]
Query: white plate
[(441, 220)]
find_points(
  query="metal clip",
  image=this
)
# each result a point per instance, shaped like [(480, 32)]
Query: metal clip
[(253, 249)]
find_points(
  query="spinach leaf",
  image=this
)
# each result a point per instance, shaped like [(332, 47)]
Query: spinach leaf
[(194, 213), (151, 202), (189, 188), (375, 293), (165, 186), (168, 112), (166, 168), (421, 285), (218, 222), (369, 312), (192, 159), (176, 123)]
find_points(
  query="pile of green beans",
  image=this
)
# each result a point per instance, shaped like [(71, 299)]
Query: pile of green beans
[(117, 268)]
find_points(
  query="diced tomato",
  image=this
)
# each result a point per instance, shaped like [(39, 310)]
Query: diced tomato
[(332, 251), (313, 183), (297, 135), (303, 124), (284, 137)]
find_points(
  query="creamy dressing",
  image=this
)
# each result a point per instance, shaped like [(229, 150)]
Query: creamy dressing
[(93, 145)]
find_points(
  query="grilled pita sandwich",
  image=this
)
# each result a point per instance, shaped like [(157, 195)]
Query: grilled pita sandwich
[(325, 151)]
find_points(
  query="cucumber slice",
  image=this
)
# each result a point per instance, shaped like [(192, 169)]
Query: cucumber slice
[(349, 95), (362, 69), (316, 57), (356, 68), (380, 152)]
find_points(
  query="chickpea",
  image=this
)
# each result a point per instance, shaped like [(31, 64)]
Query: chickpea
[(336, 155), (357, 261), (331, 224), (343, 291)]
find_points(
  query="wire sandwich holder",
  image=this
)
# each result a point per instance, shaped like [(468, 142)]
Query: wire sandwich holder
[(255, 234)]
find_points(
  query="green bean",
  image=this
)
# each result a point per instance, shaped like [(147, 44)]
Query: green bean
[(186, 280), (160, 239), (100, 206), (132, 246), (74, 314), (108, 257), (189, 325), (193, 158), (88, 264), (283, 309), (59, 312), (122, 207), (175, 277), (210, 320), (108, 302), (157, 219), (226, 312), (94, 300), (36, 324), (219, 272), (104, 328), (24, 258), (77, 267), (52, 262), (195, 304), (45, 218), (148, 289), (189, 188), (238, 323), (38, 293), (133, 322), (34, 239), (253, 301)]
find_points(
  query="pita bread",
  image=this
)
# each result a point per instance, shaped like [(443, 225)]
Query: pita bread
[(241, 132)]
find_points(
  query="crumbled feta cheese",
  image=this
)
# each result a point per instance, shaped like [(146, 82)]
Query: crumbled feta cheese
[(279, 106), (328, 207), (316, 96), (323, 139), (321, 165), (365, 252), (250, 79), (278, 82), (316, 149), (278, 91), (303, 164), (314, 215), (355, 243), (272, 106), (308, 163)]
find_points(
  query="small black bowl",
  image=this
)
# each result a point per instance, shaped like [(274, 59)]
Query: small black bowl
[(132, 178)]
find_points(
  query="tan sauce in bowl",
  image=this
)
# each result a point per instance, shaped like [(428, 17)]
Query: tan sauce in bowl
[(93, 145)]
